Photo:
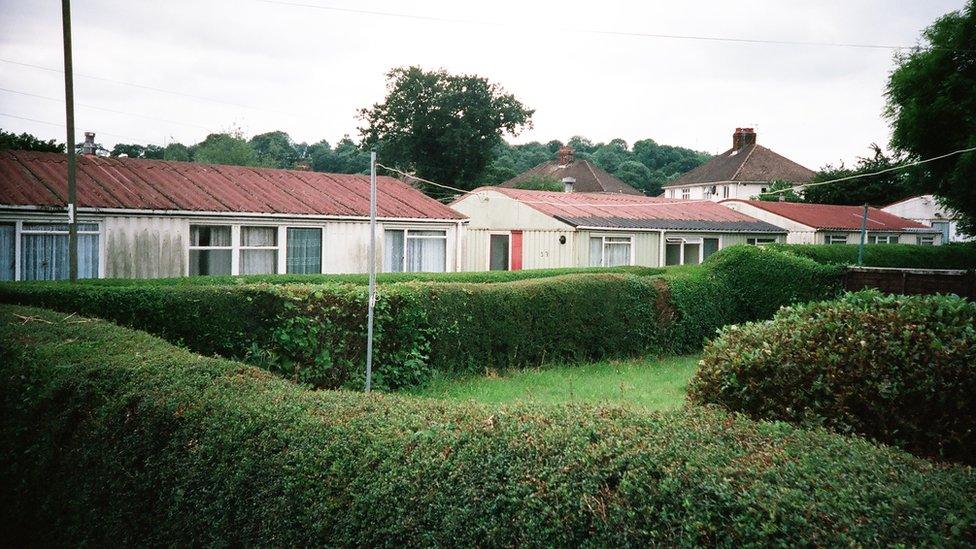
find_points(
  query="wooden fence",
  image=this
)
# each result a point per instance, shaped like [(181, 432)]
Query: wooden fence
[(912, 281)]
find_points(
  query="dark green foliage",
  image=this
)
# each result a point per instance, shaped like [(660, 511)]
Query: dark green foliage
[(932, 107), (27, 142), (950, 256), (876, 190), (114, 438), (899, 369), (540, 183), (739, 284), (782, 190)]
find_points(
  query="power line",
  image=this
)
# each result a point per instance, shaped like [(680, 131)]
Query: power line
[(151, 88), (60, 125), (55, 99), (872, 174), (704, 38)]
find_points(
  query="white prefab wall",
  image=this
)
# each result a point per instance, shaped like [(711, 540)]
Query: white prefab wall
[(646, 246), (540, 249), (495, 211), (145, 246)]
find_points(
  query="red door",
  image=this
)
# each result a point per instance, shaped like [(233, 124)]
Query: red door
[(516, 250)]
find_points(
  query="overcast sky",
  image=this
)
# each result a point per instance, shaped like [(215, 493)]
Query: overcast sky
[(306, 71)]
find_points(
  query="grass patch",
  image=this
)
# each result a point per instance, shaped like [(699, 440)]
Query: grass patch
[(652, 383)]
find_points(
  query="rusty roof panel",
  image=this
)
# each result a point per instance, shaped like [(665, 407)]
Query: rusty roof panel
[(831, 216), (30, 178)]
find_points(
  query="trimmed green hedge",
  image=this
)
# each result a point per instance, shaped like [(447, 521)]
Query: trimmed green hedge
[(949, 256), (113, 437), (486, 277), (317, 333), (899, 369)]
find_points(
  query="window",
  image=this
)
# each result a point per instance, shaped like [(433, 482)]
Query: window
[(414, 251), (687, 251), (760, 241), (836, 239), (498, 252), (610, 251), (44, 251), (882, 239), (685, 193), (671, 193), (8, 251), (725, 191), (210, 250), (926, 240), (304, 251), (259, 250), (942, 226)]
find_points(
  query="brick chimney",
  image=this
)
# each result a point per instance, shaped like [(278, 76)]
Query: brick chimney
[(564, 156), (743, 137), (89, 146)]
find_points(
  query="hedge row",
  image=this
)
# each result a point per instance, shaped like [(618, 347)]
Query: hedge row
[(899, 369), (949, 256), (317, 333), (359, 278), (113, 437)]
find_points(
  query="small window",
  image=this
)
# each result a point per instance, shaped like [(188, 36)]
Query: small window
[(210, 250), (259, 250), (414, 251), (709, 246), (610, 251), (304, 250), (498, 252), (761, 241), (725, 191), (836, 239), (8, 251), (44, 251), (926, 240), (685, 193), (882, 239), (944, 227), (684, 251)]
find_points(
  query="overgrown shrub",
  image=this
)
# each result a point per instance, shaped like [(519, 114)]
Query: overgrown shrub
[(950, 256), (317, 333), (899, 369), (114, 438)]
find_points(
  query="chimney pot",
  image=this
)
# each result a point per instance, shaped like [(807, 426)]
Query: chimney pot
[(564, 156), (743, 137), (89, 147), (568, 183)]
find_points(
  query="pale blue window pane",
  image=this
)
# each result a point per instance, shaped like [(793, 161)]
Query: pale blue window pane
[(393, 251), (304, 251), (7, 251), (596, 252), (45, 256)]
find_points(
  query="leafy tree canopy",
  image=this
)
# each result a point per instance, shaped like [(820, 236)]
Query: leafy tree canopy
[(27, 142), (540, 183), (177, 152), (877, 190), (788, 193), (275, 149), (932, 107), (225, 148), (441, 126)]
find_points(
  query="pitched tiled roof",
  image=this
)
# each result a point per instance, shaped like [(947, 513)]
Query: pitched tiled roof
[(830, 216), (635, 212), (40, 179), (750, 163), (589, 177)]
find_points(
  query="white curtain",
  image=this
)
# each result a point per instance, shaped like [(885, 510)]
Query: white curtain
[(426, 255), (596, 252), (209, 235), (393, 251), (258, 236), (257, 262), (304, 251), (45, 256), (7, 251), (618, 254)]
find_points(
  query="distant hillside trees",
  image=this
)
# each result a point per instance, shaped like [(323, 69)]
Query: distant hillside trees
[(27, 142)]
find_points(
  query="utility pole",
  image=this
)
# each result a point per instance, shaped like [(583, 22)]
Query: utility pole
[(372, 269), (864, 233), (69, 144)]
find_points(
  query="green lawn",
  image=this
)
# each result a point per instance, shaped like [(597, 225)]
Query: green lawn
[(654, 384)]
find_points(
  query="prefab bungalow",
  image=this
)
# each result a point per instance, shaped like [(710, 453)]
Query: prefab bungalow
[(149, 218), (833, 224), (523, 229), (926, 210)]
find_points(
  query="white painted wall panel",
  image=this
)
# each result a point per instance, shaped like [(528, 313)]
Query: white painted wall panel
[(145, 246)]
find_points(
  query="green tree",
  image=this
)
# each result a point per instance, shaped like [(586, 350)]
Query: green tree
[(225, 148), (876, 190), (177, 152), (153, 152), (540, 183), (275, 149), (638, 176), (932, 107), (27, 142), (788, 193), (611, 155), (441, 126), (130, 150)]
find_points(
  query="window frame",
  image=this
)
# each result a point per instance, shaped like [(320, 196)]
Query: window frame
[(683, 240), (603, 247), (920, 240), (236, 230), (19, 233), (829, 238), (488, 248), (241, 248), (686, 193), (760, 240), (234, 239), (874, 238), (406, 241), (284, 246)]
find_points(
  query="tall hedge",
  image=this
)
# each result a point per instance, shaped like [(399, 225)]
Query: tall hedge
[(899, 369), (317, 333), (112, 437), (957, 255)]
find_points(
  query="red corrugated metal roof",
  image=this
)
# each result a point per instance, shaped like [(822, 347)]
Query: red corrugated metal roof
[(831, 216), (30, 178)]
